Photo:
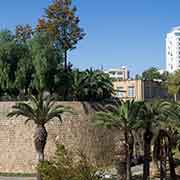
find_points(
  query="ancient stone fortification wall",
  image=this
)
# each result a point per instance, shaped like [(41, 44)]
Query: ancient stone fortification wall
[(17, 153)]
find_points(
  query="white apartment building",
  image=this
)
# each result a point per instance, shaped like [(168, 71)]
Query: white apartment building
[(121, 73), (173, 50)]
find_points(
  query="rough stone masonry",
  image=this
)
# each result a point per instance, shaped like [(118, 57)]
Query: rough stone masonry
[(17, 152)]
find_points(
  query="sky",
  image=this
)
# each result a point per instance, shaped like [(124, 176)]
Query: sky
[(119, 32)]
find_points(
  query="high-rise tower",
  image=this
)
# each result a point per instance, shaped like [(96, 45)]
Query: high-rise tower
[(173, 50)]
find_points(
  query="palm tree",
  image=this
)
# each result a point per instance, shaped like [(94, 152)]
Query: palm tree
[(170, 129), (40, 110), (121, 116), (150, 116), (98, 85), (91, 85), (162, 150), (78, 84)]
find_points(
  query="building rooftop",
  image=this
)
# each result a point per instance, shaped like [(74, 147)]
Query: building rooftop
[(177, 28)]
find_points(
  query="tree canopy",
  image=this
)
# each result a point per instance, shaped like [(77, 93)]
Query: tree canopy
[(151, 74), (62, 24)]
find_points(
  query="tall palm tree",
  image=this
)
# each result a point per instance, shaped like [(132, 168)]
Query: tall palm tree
[(40, 110), (121, 116), (162, 150), (150, 117), (171, 125)]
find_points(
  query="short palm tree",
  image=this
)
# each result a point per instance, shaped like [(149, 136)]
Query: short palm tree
[(79, 81), (97, 85), (40, 110), (121, 116)]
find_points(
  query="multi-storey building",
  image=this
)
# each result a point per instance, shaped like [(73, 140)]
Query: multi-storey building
[(121, 73), (139, 90), (173, 50)]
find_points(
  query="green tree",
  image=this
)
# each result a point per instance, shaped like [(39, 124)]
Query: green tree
[(23, 33), (46, 60), (162, 151), (15, 64), (6, 36), (40, 110), (79, 80), (25, 69), (24, 72), (171, 132), (64, 83), (86, 85), (9, 54), (173, 84), (164, 76), (97, 85), (150, 117), (138, 77), (123, 117), (151, 74), (62, 24)]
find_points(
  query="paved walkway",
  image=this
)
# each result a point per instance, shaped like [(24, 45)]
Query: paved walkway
[(17, 178)]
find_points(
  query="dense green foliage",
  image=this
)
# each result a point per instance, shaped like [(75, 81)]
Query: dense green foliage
[(28, 65), (33, 61), (153, 74), (173, 84)]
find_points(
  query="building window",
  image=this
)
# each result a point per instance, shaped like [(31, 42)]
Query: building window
[(120, 73), (177, 34), (112, 72), (131, 91), (120, 92), (147, 92)]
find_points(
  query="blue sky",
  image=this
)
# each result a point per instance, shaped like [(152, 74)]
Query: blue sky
[(119, 32)]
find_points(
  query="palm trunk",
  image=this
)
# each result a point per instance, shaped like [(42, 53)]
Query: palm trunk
[(171, 159), (172, 165), (128, 157), (175, 97), (162, 163), (155, 157), (147, 153), (120, 159), (40, 138), (154, 167), (161, 170), (128, 168), (65, 61)]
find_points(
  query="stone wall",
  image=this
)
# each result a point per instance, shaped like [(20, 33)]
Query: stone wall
[(17, 153)]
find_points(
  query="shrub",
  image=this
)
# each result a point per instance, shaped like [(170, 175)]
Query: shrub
[(65, 167)]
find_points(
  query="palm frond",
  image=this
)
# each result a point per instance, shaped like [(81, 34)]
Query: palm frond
[(39, 109)]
